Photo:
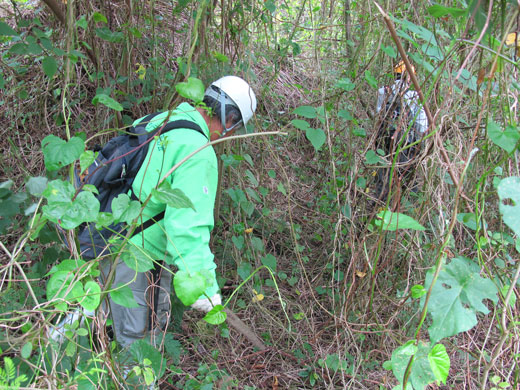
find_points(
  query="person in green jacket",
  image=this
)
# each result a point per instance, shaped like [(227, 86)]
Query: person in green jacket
[(182, 237)]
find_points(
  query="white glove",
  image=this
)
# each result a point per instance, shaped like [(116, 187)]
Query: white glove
[(206, 304), (57, 332)]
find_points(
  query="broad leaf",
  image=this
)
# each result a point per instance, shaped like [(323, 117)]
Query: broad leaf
[(123, 295), (99, 18), (306, 111), (216, 316), (86, 159), (62, 285), (440, 11), (439, 362), (173, 197), (421, 374), (124, 209), (372, 158), (49, 66), (107, 101), (506, 139), (36, 185), (6, 30), (269, 261), (92, 296), (392, 221), (301, 124), (108, 35), (59, 153), (192, 89), (346, 84), (457, 297), (317, 137), (137, 258), (509, 189), (189, 286), (141, 350)]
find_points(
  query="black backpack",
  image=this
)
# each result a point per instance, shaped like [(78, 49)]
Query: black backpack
[(113, 173)]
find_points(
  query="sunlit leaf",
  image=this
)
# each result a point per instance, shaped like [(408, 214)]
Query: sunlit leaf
[(59, 153), (216, 316), (189, 286), (173, 197), (392, 221), (439, 362), (92, 296), (509, 193), (192, 89), (317, 137), (457, 297), (107, 101), (506, 139)]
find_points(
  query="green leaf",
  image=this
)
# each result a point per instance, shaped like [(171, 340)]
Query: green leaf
[(439, 11), (244, 269), (372, 158), (92, 296), (99, 17), (370, 79), (418, 291), (82, 22), (123, 295), (141, 350), (173, 197), (173, 348), (107, 101), (49, 66), (137, 258), (392, 221), (189, 287), (59, 153), (82, 332), (61, 209), (220, 57), (36, 185), (509, 194), (270, 6), (306, 112), (389, 51), (111, 36), (317, 137), (421, 374), (216, 316), (439, 362), (346, 84), (238, 241), (269, 261), (469, 220), (6, 30), (457, 297), (26, 350), (193, 89), (301, 124), (506, 139), (63, 285), (86, 159), (124, 209)]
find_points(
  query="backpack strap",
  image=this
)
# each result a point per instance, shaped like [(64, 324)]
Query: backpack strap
[(178, 124)]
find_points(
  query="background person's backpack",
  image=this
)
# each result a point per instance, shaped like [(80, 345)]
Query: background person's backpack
[(113, 173)]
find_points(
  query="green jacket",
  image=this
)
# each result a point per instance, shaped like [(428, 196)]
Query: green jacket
[(182, 237)]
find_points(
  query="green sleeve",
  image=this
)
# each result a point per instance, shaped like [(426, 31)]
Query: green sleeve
[(188, 231)]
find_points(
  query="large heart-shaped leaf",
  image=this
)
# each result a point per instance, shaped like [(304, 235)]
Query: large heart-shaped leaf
[(192, 89), (137, 258), (439, 362), (509, 192), (189, 286), (316, 136), (506, 139), (59, 153), (124, 209), (216, 316), (123, 295), (92, 296), (457, 297)]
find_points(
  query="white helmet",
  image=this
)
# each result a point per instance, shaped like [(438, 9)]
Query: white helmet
[(236, 91)]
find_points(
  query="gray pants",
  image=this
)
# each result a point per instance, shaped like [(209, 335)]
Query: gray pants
[(152, 293)]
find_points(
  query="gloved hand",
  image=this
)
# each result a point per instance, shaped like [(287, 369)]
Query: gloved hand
[(205, 304), (57, 332)]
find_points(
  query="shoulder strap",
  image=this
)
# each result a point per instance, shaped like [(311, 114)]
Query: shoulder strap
[(178, 124)]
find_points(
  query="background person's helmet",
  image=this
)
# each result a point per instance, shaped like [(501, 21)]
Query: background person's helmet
[(400, 68), (234, 90)]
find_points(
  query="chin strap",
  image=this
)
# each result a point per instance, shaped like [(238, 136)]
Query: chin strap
[(223, 98)]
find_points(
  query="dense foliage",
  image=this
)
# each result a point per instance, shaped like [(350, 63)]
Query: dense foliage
[(335, 287)]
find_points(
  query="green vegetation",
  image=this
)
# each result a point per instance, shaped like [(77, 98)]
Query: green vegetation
[(339, 289)]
